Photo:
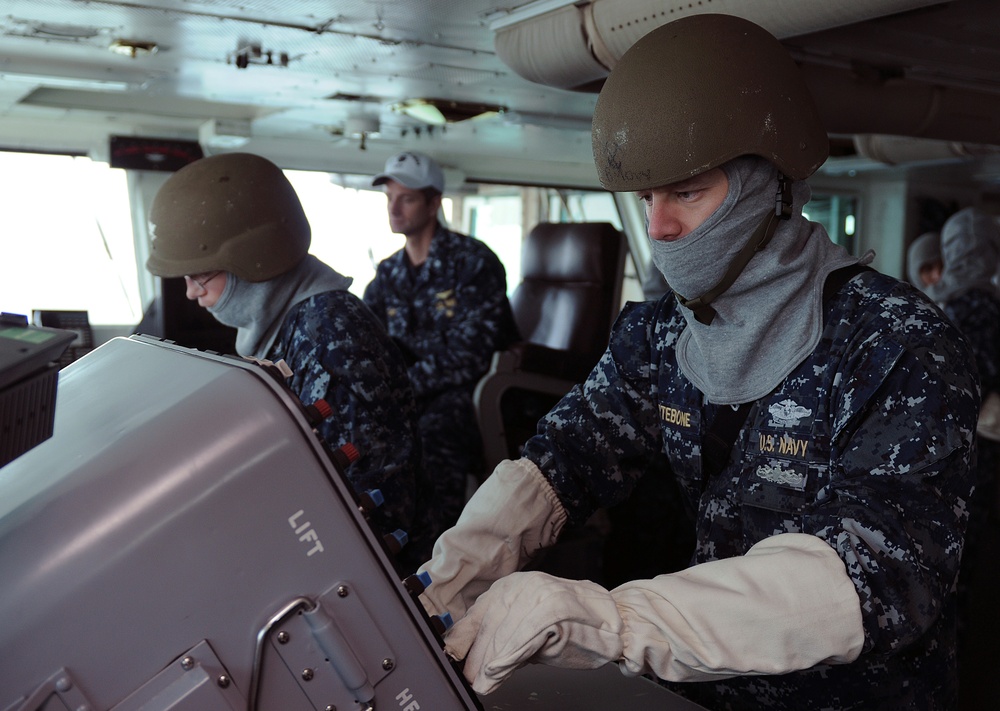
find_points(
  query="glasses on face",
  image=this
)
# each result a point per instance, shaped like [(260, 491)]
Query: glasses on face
[(204, 278)]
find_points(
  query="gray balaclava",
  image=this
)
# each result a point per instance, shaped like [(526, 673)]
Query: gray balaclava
[(970, 249), (924, 250), (770, 319), (257, 309)]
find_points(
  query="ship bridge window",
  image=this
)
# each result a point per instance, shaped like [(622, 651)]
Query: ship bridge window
[(838, 214), (351, 231), (67, 238), (69, 242)]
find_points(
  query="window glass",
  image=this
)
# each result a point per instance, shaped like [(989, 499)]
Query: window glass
[(351, 230), (496, 218), (69, 244), (838, 214), (583, 206), (67, 238), (500, 216)]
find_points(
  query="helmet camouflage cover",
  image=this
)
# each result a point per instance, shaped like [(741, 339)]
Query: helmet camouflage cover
[(697, 92), (234, 212)]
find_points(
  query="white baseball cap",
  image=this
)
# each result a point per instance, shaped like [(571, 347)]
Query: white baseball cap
[(412, 170)]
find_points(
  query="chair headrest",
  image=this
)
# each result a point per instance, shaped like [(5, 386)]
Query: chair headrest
[(577, 252)]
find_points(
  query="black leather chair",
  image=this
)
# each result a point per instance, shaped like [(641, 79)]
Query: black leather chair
[(568, 298)]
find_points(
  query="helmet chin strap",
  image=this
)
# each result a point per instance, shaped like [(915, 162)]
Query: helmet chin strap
[(701, 306)]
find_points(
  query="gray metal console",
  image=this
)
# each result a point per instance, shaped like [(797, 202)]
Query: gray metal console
[(185, 542)]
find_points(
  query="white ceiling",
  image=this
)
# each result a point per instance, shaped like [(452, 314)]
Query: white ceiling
[(350, 61)]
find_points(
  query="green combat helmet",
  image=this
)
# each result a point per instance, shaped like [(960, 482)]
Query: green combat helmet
[(694, 94), (700, 91), (234, 212)]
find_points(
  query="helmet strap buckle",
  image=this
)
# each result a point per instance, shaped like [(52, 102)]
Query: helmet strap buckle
[(783, 198)]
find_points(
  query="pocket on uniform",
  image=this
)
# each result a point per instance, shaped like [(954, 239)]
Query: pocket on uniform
[(776, 495), (777, 484)]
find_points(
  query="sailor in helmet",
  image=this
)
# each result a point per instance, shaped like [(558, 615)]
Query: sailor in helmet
[(817, 416)]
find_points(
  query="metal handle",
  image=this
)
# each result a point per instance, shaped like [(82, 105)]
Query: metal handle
[(262, 635)]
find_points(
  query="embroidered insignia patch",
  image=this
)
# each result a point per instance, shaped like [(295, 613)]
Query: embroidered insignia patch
[(446, 301), (777, 475), (788, 413)]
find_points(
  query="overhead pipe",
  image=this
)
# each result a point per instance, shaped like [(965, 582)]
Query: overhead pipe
[(853, 103), (903, 150), (572, 46)]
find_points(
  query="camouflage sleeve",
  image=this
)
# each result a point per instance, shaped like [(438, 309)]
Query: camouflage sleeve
[(601, 437), (977, 315), (340, 354), (902, 446), (460, 354)]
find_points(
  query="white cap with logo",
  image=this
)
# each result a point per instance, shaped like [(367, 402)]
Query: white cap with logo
[(412, 170)]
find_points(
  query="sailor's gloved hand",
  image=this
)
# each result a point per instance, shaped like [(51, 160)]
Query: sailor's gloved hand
[(534, 616), (513, 515), (787, 604)]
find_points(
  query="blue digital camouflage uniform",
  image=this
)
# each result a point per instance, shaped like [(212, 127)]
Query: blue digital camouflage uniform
[(339, 353), (976, 313), (448, 316), (867, 444)]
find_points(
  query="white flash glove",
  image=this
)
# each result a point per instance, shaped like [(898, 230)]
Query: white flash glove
[(510, 517), (788, 604), (538, 618)]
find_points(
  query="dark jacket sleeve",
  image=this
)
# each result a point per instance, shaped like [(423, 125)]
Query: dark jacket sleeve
[(341, 354)]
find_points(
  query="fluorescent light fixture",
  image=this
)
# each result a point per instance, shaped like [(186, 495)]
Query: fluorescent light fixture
[(421, 110), (63, 82), (133, 48), (438, 112)]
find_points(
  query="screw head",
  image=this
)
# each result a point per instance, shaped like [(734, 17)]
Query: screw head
[(308, 674), (283, 637), (388, 664), (342, 591), (187, 663), (223, 681)]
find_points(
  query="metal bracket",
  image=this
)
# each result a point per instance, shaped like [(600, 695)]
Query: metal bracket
[(197, 679), (313, 644), (60, 684)]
